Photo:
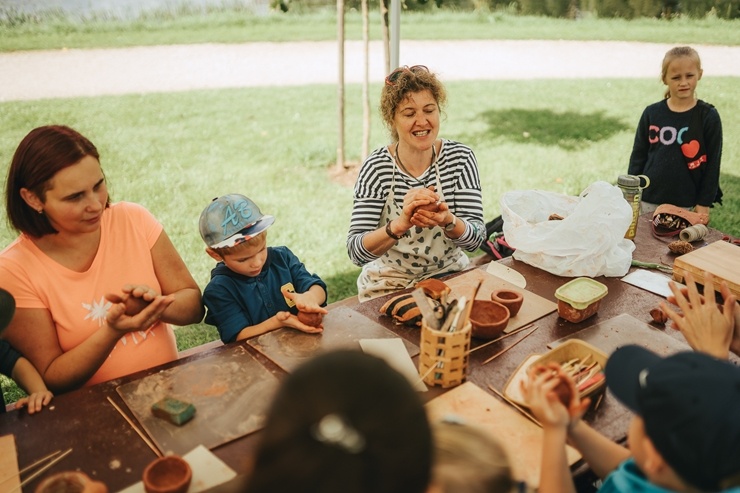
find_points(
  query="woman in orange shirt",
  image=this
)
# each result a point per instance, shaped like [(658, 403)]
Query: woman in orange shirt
[(96, 284)]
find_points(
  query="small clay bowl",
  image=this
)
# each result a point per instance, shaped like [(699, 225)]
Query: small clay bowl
[(510, 298), (71, 482), (168, 474), (488, 319)]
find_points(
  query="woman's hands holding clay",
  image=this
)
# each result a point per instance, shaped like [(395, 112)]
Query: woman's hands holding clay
[(708, 327), (422, 207), (138, 308), (546, 392)]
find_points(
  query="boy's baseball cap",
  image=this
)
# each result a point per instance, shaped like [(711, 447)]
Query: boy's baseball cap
[(7, 309), (232, 219), (690, 403)]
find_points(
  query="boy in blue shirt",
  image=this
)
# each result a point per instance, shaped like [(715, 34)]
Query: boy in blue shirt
[(684, 436), (254, 288), (15, 366)]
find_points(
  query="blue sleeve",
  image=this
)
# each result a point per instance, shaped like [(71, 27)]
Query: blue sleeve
[(8, 358), (225, 310), (302, 279)]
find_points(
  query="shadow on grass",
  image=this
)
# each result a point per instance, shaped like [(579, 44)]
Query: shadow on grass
[(569, 130), (724, 217)]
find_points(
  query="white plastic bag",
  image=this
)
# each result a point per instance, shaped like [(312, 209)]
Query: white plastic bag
[(589, 241)]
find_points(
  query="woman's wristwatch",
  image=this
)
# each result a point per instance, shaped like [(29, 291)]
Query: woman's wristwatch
[(450, 225)]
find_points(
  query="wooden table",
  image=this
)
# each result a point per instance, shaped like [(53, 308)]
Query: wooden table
[(107, 448)]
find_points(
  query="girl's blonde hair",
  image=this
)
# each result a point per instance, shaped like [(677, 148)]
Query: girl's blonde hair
[(466, 460), (673, 54)]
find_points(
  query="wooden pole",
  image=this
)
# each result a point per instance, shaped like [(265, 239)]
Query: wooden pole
[(340, 84), (366, 82)]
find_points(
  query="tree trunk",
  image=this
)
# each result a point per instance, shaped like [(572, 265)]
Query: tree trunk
[(365, 82), (386, 35)]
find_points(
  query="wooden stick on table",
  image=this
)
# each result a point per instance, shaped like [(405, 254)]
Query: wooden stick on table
[(136, 428), (516, 331), (516, 406), (41, 469), (504, 350)]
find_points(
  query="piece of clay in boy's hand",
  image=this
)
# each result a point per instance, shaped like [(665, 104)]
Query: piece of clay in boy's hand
[(311, 319), (562, 389)]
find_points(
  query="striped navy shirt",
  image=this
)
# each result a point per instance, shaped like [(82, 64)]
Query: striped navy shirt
[(458, 171)]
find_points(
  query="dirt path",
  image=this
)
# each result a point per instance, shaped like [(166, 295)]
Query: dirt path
[(76, 73)]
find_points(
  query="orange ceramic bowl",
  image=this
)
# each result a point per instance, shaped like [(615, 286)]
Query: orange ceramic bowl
[(168, 474), (488, 319)]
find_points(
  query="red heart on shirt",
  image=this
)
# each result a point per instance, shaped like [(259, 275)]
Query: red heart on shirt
[(690, 149)]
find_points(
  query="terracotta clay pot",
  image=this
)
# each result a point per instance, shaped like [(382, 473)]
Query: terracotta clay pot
[(488, 319), (71, 482), (510, 298), (168, 474)]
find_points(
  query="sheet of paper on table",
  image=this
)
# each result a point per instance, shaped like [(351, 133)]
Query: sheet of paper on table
[(650, 281), (521, 438), (208, 471), (9, 478), (395, 354)]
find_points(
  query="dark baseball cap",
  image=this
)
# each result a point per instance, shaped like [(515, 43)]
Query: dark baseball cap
[(232, 219), (7, 309), (690, 403)]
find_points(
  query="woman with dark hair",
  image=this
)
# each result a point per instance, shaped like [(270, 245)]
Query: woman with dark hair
[(344, 422), (417, 202), (96, 283)]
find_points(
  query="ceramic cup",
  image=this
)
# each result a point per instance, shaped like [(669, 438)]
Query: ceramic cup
[(168, 474), (71, 482), (510, 298)]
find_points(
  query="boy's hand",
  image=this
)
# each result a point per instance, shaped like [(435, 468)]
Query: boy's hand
[(305, 302), (706, 326), (287, 319), (35, 402), (545, 401)]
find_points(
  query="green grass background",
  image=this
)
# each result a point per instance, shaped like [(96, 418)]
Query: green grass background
[(174, 152)]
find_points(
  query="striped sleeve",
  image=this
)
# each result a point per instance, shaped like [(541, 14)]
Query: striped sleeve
[(461, 187), (371, 191)]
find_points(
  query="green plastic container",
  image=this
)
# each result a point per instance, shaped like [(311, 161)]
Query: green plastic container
[(580, 298)]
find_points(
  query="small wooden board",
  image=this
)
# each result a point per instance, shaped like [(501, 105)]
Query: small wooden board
[(521, 438), (623, 330), (343, 329), (721, 259), (533, 308), (229, 389), (10, 480)]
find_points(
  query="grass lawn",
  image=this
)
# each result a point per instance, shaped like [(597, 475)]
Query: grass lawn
[(174, 152)]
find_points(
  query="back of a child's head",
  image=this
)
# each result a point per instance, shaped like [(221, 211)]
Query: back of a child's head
[(7, 309), (344, 422), (690, 405), (466, 460)]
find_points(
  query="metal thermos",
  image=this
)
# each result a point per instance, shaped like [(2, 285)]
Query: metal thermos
[(632, 191)]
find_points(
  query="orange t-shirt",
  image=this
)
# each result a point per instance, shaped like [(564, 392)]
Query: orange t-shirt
[(76, 300)]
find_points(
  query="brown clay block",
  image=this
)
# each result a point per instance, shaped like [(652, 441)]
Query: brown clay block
[(173, 410)]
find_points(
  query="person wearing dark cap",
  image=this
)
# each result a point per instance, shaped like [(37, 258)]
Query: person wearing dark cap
[(254, 288), (15, 366), (344, 422), (684, 436)]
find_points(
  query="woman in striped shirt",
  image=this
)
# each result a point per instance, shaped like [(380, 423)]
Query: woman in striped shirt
[(417, 202)]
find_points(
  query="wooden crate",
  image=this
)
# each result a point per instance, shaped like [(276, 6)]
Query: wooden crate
[(721, 259)]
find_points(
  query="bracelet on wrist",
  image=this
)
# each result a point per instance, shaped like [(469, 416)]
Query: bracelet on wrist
[(390, 232)]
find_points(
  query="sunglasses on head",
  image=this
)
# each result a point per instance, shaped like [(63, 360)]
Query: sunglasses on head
[(393, 76)]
